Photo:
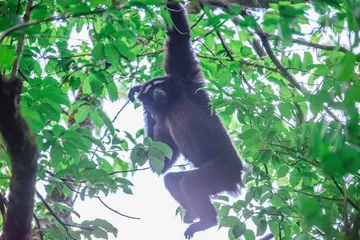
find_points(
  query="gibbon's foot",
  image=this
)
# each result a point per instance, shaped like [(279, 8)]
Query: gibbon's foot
[(197, 227), (189, 217)]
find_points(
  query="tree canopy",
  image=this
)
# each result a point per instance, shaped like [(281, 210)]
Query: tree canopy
[(283, 76)]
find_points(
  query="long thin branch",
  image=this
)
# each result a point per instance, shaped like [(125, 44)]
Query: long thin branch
[(103, 203), (65, 225), (320, 46), (37, 222), (342, 192), (321, 197), (229, 54), (115, 211), (198, 20), (286, 73), (50, 19)]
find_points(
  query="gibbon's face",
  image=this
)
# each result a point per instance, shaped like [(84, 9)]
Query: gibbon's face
[(155, 92)]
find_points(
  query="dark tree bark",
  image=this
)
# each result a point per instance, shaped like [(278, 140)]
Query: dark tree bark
[(23, 153)]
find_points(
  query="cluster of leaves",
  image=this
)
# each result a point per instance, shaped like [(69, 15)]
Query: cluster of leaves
[(304, 177)]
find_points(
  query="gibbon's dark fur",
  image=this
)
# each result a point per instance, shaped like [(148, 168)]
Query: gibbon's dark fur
[(177, 112)]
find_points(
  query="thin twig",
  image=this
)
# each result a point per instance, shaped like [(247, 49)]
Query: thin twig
[(211, 31), (197, 21), (229, 54), (341, 190), (65, 225), (130, 170), (99, 198), (321, 197), (320, 46), (115, 211), (37, 222)]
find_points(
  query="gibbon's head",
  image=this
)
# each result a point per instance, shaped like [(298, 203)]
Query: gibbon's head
[(155, 93)]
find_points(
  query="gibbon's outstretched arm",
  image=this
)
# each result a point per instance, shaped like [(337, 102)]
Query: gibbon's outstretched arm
[(180, 58)]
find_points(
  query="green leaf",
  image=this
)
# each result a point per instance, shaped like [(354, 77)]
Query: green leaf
[(282, 171), (107, 122), (113, 91), (82, 113), (296, 62), (261, 228), (285, 109), (101, 224), (139, 155), (124, 49), (58, 130), (249, 234), (98, 52), (35, 119), (164, 148), (308, 61), (79, 141), (274, 227), (8, 55), (309, 208), (345, 69), (229, 109), (50, 111), (250, 133), (239, 229), (56, 155), (112, 54), (266, 156), (157, 159), (294, 178), (71, 150), (96, 85), (148, 141), (229, 221), (37, 69), (56, 95), (95, 117)]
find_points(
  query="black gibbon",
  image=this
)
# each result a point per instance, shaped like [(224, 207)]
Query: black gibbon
[(178, 112)]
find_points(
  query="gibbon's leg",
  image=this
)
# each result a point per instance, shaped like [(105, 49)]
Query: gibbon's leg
[(213, 177), (172, 183)]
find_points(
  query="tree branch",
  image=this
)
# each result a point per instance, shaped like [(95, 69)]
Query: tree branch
[(283, 70), (320, 46), (103, 203), (342, 192), (320, 197), (65, 225)]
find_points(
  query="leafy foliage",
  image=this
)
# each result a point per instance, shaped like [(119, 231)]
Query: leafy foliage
[(301, 144)]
